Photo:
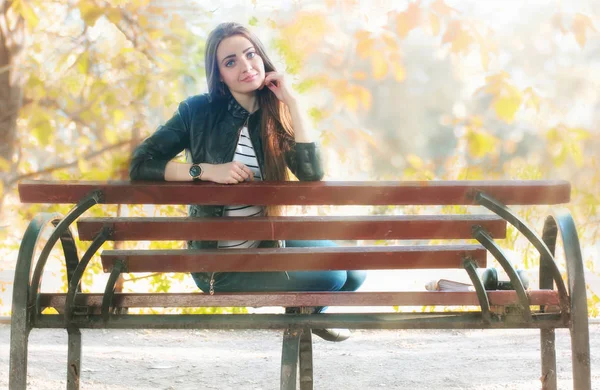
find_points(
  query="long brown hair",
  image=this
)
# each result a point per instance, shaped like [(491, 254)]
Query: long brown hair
[(276, 129)]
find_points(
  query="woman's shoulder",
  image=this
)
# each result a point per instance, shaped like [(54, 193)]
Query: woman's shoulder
[(202, 101)]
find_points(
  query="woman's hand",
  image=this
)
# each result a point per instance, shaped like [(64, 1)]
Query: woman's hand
[(230, 173), (277, 83)]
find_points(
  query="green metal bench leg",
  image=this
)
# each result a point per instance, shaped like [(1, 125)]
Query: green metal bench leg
[(548, 336), (19, 339), (579, 327), (563, 223), (548, 349), (289, 358), (306, 361), (20, 324), (73, 359)]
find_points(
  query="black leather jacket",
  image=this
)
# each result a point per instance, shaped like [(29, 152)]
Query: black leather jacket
[(208, 129)]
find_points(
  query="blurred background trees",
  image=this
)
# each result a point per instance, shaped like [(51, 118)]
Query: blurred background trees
[(398, 90)]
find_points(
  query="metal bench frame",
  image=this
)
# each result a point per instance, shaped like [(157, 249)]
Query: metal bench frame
[(80, 310)]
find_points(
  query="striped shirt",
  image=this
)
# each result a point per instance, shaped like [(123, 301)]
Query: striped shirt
[(244, 153)]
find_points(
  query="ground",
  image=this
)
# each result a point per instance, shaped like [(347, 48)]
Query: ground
[(202, 359)]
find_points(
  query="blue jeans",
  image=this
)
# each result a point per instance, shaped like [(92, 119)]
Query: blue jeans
[(284, 281)]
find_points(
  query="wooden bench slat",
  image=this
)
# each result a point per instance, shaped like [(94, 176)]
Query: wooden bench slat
[(406, 227), (295, 259), (418, 298), (524, 192)]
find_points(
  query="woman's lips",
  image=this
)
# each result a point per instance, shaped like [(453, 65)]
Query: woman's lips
[(249, 78)]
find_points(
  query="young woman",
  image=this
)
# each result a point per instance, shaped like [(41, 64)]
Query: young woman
[(248, 127)]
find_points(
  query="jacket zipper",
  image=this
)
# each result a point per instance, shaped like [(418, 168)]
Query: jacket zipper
[(246, 124)]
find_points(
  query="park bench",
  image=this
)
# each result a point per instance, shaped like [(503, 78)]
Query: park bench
[(553, 305)]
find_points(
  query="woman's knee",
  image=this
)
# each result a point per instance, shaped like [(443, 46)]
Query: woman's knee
[(354, 279)]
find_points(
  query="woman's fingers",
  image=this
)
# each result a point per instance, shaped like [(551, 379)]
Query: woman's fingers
[(271, 79), (248, 172), (244, 171), (233, 172), (240, 171)]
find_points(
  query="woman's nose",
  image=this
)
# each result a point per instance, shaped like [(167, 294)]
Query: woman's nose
[(246, 64)]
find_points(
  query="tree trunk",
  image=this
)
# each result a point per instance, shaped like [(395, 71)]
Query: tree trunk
[(12, 41)]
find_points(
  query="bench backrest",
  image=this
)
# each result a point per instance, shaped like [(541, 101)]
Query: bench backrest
[(398, 227)]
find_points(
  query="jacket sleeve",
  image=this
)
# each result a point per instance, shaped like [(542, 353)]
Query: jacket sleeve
[(150, 158), (304, 160)]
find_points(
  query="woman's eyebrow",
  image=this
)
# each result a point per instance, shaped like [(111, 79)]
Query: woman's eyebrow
[(233, 55)]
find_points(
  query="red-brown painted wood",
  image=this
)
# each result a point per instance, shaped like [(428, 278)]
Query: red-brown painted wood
[(295, 259), (419, 298), (300, 193), (406, 227)]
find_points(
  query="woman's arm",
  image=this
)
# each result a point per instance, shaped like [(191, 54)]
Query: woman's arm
[(228, 173), (150, 159), (304, 157)]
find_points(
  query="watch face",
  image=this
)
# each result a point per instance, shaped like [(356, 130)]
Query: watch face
[(195, 171)]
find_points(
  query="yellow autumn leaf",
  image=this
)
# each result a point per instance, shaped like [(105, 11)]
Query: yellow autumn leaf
[(4, 165), (330, 4), (26, 12), (579, 134), (367, 136), (553, 135), (326, 138), (485, 59), (434, 23), (399, 71), (556, 22), (471, 173), (364, 96), (390, 41), (351, 101), (457, 36), (303, 36), (532, 99), (486, 47), (138, 4), (409, 19), (475, 121), (497, 77), (89, 12), (440, 7), (380, 65), (155, 99), (415, 161), (359, 75), (507, 103), (115, 16), (83, 62), (480, 143), (364, 44), (495, 83), (581, 24)]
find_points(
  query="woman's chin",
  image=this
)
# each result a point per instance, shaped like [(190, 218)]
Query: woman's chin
[(250, 88)]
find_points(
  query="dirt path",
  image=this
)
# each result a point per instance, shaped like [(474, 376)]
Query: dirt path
[(151, 359)]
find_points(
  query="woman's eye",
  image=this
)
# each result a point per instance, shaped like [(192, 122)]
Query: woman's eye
[(251, 54), (229, 63)]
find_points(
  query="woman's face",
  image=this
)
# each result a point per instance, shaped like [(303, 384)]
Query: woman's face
[(240, 66)]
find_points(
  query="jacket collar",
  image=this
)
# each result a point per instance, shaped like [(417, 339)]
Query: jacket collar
[(236, 109)]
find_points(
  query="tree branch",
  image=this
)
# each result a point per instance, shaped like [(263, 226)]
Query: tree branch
[(141, 277), (88, 156)]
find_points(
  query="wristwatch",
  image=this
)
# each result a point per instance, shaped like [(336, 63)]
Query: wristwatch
[(195, 171)]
